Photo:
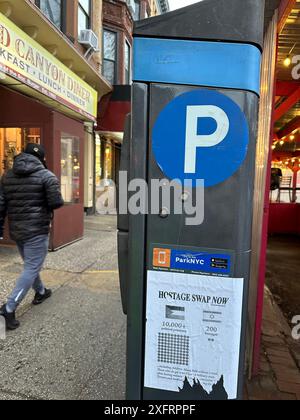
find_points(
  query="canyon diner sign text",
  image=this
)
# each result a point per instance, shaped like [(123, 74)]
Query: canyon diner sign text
[(25, 60)]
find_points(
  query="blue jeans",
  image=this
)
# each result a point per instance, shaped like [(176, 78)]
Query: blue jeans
[(33, 253)]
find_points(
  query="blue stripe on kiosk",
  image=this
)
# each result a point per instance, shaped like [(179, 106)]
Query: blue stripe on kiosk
[(212, 64)]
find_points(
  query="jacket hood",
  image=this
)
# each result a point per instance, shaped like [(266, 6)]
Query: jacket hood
[(26, 164)]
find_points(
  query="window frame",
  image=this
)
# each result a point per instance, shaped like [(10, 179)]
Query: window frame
[(88, 16), (137, 2), (63, 15), (129, 80), (116, 34)]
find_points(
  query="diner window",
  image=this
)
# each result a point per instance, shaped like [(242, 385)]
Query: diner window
[(70, 168), (84, 15), (127, 63), (109, 56), (13, 141), (53, 10)]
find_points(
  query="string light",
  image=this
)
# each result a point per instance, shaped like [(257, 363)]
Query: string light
[(287, 62), (288, 163)]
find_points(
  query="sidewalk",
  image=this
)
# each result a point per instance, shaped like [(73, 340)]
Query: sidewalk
[(73, 346), (96, 252), (279, 377)]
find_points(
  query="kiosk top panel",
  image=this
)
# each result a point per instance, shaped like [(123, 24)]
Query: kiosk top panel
[(216, 20)]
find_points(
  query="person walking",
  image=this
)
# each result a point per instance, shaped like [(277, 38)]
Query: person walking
[(29, 193)]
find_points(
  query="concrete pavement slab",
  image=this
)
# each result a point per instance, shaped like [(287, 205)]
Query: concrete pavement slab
[(98, 249), (52, 279), (108, 381), (103, 223), (7, 283), (8, 396), (9, 255), (63, 348)]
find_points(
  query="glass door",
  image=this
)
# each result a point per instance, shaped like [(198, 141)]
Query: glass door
[(70, 168), (13, 141)]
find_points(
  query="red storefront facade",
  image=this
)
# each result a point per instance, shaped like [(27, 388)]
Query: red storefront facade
[(20, 112)]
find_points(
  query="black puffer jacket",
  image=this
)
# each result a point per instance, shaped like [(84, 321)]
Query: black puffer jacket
[(28, 195)]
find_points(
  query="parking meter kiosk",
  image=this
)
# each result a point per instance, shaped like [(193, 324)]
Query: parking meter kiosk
[(196, 81)]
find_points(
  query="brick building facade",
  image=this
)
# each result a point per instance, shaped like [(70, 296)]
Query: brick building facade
[(50, 84), (118, 21)]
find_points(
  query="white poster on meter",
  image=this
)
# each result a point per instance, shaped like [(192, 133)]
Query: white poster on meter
[(193, 334)]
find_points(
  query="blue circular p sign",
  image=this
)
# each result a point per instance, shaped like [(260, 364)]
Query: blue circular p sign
[(200, 135)]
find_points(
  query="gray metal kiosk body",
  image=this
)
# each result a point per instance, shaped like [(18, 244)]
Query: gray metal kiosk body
[(185, 287)]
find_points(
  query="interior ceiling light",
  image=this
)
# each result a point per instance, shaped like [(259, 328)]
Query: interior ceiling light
[(287, 62)]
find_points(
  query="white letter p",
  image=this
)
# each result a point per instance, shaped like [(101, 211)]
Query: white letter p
[(193, 140)]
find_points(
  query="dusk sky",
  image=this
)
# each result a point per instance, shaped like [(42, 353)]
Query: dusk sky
[(177, 4)]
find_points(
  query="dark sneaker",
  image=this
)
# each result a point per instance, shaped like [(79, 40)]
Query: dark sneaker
[(38, 299), (10, 319)]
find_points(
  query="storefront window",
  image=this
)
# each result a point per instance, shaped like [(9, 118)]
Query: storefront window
[(53, 10), (98, 164), (108, 162), (70, 168), (106, 174), (13, 141)]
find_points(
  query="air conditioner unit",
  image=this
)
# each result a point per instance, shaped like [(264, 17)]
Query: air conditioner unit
[(89, 39)]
